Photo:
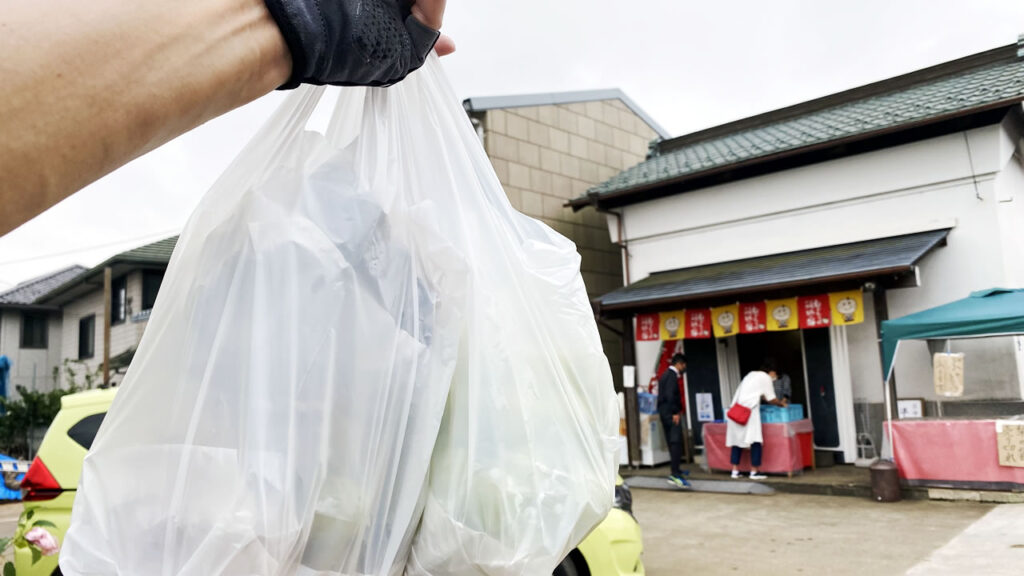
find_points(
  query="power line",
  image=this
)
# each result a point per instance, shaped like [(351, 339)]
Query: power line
[(88, 248)]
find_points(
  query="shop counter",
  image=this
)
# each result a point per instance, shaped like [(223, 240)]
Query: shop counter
[(952, 454), (788, 447)]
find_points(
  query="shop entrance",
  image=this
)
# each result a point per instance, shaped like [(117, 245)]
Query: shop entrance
[(787, 350), (815, 388)]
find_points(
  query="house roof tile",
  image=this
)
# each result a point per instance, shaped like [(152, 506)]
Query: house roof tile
[(993, 78)]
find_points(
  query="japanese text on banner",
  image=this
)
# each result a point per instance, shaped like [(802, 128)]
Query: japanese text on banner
[(815, 311), (698, 323), (752, 318), (647, 327)]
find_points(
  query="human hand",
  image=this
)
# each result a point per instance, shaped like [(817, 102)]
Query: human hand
[(358, 42), (675, 419)]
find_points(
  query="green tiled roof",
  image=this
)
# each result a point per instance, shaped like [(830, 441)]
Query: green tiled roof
[(979, 82), (156, 253)]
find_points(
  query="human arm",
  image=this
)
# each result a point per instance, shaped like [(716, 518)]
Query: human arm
[(89, 86), (677, 399)]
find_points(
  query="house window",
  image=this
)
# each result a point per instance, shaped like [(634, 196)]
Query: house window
[(33, 330), (119, 300), (151, 280), (87, 337)]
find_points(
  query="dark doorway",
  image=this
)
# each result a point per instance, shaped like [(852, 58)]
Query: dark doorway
[(821, 387), (701, 377), (787, 351)]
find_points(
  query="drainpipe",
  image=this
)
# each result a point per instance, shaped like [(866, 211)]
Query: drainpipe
[(622, 243), (628, 353)]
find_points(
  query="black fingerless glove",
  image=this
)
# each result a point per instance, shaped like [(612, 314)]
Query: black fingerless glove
[(351, 42)]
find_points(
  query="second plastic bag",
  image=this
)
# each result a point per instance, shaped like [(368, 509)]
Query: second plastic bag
[(362, 361)]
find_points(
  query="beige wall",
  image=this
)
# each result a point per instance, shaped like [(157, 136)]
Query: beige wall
[(31, 368), (123, 337), (547, 155)]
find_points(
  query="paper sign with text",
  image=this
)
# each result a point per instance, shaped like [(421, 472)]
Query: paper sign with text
[(1010, 440)]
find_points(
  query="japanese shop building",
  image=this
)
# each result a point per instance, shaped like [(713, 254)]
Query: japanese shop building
[(794, 233)]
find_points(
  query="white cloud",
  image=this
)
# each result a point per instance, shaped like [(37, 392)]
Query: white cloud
[(690, 65)]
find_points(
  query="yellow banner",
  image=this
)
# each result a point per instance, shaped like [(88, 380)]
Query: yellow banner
[(782, 315), (726, 320), (673, 325), (847, 307)]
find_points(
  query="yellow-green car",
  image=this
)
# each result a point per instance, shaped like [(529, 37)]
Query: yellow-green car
[(50, 483), (612, 549)]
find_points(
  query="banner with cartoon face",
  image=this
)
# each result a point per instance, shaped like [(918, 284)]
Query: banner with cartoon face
[(726, 320), (821, 311), (847, 307), (782, 315), (673, 325)]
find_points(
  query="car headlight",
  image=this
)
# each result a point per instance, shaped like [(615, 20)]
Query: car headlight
[(623, 499)]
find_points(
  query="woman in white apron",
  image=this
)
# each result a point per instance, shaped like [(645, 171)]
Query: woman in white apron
[(755, 388)]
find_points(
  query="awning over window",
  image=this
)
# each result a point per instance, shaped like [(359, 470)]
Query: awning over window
[(847, 262)]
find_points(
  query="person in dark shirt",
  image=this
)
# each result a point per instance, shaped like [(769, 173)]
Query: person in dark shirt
[(670, 409)]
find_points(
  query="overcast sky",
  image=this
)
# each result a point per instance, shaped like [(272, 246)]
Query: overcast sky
[(689, 65)]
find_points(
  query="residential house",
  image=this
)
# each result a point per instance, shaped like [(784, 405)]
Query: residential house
[(545, 148), (136, 277), (30, 333), (549, 148), (903, 194)]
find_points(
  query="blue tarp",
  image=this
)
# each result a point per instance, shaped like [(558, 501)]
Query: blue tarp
[(5, 492), (991, 312)]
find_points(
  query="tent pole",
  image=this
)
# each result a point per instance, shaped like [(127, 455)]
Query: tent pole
[(881, 315)]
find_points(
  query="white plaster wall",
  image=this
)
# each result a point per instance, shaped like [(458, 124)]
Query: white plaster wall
[(31, 368), (911, 188), (865, 357)]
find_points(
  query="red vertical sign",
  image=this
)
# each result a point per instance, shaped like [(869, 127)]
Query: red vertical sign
[(753, 318), (648, 327), (815, 311), (698, 323)]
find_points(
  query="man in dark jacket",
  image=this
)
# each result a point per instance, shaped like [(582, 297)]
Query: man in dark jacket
[(670, 409)]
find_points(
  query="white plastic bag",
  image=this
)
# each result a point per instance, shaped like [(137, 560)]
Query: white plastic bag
[(332, 299)]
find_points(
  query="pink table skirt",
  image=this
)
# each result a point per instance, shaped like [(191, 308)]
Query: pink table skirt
[(781, 453), (952, 453)]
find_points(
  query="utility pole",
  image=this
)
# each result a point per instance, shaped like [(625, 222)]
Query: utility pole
[(106, 325)]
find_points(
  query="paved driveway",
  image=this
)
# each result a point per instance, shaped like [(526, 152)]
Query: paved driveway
[(701, 533)]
